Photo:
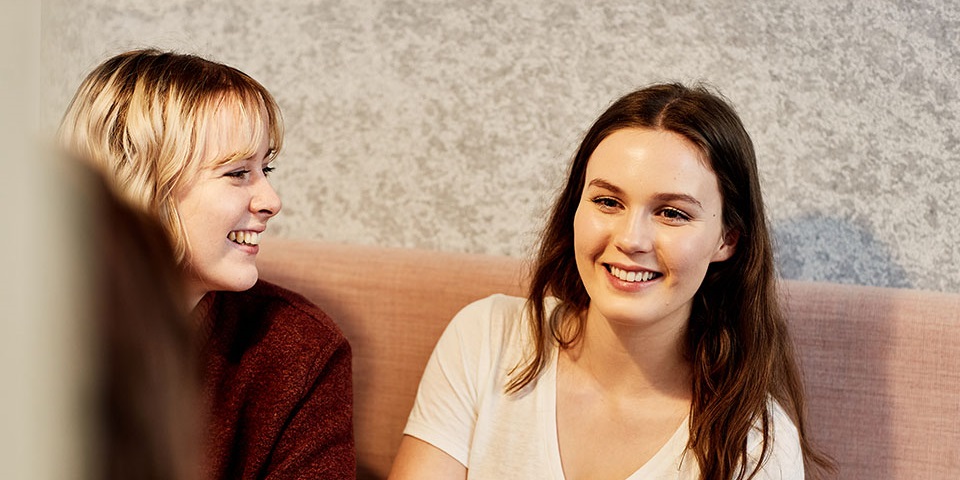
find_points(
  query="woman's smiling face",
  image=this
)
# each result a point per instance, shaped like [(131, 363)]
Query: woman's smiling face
[(648, 225), (223, 210)]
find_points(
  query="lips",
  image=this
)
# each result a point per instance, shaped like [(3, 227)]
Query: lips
[(633, 276), (244, 237)]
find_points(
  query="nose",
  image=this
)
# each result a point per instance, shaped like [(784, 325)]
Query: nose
[(634, 233), (265, 200)]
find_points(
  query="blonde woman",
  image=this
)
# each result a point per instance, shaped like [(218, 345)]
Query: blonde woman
[(190, 142)]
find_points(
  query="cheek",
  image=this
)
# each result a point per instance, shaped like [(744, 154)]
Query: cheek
[(587, 233), (210, 212), (582, 241), (578, 233), (693, 255), (204, 224), (186, 219)]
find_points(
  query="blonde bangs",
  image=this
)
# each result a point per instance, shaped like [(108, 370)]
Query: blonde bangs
[(234, 126)]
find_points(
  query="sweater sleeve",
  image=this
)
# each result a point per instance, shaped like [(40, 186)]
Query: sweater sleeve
[(317, 438)]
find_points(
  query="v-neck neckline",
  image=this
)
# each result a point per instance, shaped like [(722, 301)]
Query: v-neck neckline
[(547, 410)]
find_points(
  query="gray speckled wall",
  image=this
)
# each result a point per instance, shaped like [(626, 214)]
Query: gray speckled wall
[(448, 124)]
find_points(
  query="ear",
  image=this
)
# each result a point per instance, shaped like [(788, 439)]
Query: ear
[(728, 245)]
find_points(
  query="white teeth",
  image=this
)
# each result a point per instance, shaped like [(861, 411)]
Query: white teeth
[(631, 276), (244, 237)]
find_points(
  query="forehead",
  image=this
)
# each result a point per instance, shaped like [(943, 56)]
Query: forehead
[(652, 161), (234, 130)]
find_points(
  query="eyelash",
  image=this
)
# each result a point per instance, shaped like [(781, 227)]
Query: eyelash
[(606, 202), (670, 213), (243, 173), (676, 214)]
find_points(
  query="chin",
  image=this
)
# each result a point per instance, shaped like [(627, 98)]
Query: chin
[(248, 284), (244, 281), (629, 312)]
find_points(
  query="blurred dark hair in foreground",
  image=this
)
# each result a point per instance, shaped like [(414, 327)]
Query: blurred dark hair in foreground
[(145, 398)]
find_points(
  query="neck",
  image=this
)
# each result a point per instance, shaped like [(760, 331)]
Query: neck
[(194, 293), (193, 299), (631, 360), (193, 288)]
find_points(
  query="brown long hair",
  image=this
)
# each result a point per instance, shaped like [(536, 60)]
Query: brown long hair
[(737, 338)]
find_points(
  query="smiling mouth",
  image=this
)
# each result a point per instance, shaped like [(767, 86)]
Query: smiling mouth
[(244, 237), (635, 277)]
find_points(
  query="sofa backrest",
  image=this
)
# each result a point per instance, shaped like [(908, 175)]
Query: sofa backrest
[(882, 366), (882, 376), (392, 304)]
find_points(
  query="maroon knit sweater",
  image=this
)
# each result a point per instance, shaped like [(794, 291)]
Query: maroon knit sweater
[(277, 383)]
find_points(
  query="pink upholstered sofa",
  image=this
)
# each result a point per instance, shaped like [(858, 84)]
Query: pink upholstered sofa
[(882, 366)]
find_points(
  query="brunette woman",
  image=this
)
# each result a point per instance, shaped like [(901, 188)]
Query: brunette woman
[(651, 344)]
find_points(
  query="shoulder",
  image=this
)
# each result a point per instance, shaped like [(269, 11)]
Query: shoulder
[(464, 374), (277, 374), (291, 307), (481, 333), (497, 307), (270, 314), (496, 316), (491, 335), (785, 455), (784, 431)]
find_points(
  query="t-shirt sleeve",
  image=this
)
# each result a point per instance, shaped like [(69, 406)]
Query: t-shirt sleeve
[(445, 411)]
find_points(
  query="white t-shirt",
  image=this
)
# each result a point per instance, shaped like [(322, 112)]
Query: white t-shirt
[(461, 407)]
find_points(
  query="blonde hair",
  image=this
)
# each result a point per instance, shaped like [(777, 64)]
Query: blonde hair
[(144, 118)]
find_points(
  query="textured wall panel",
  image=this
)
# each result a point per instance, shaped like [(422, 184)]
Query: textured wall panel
[(448, 124)]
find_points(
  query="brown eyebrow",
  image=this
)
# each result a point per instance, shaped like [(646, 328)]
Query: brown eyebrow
[(601, 183), (663, 197), (679, 197)]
